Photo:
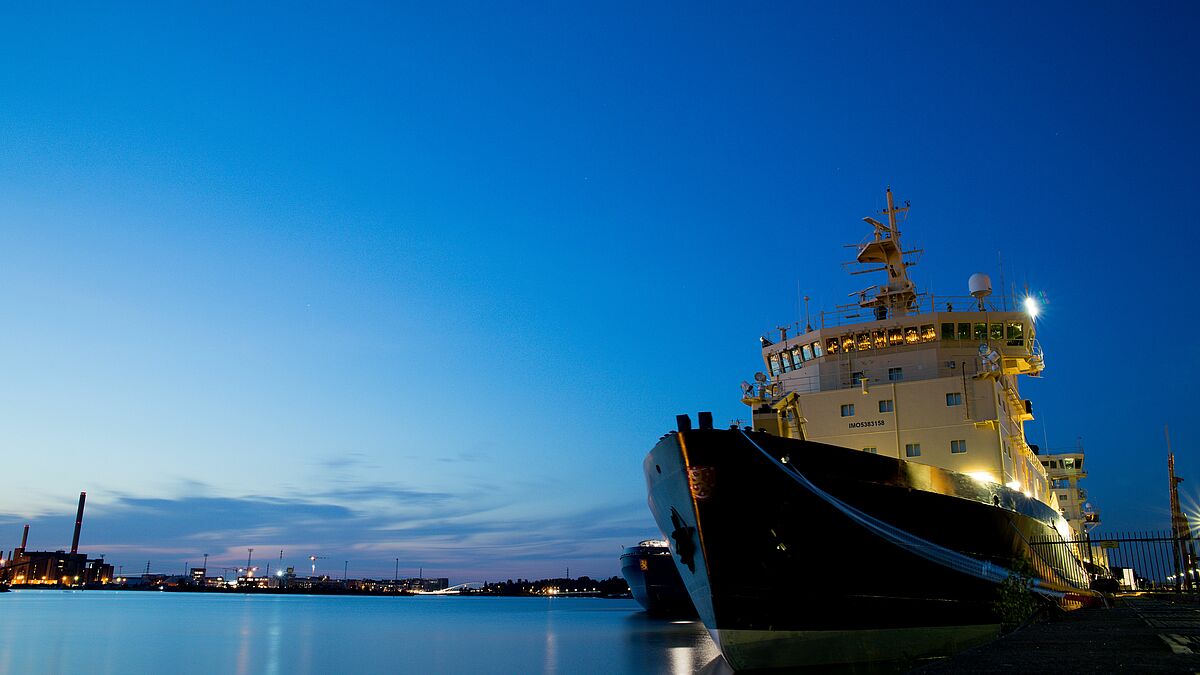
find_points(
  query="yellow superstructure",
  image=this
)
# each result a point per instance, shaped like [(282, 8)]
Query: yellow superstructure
[(927, 380)]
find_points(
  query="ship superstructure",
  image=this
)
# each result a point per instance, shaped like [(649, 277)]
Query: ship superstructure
[(1064, 470), (932, 380)]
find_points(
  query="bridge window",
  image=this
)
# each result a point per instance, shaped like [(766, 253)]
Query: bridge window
[(797, 357), (927, 333), (947, 331), (887, 405), (912, 335), (808, 352), (775, 368), (847, 410), (912, 450), (997, 331), (979, 332), (817, 351), (964, 331), (1016, 334), (832, 346), (864, 341), (958, 447), (880, 338), (847, 343), (954, 398), (895, 337)]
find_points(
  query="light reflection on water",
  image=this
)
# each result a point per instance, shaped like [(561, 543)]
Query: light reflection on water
[(184, 633)]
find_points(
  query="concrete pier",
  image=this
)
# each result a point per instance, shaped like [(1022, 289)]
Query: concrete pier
[(1139, 634)]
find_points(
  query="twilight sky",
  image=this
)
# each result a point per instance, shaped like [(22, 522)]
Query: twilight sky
[(374, 283)]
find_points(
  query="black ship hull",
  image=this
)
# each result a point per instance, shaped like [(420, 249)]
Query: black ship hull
[(798, 553), (654, 581)]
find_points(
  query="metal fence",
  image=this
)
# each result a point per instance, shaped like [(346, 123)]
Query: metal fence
[(1151, 560)]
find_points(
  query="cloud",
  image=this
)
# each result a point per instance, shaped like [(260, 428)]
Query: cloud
[(473, 537)]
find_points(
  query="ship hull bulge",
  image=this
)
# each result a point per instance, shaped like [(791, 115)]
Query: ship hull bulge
[(798, 553)]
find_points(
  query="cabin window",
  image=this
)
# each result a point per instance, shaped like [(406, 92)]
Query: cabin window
[(964, 331), (797, 358), (831, 346), (1016, 334), (947, 331), (927, 333), (847, 410), (807, 351), (912, 449), (847, 343), (954, 398), (1068, 463), (774, 360), (895, 374), (996, 332), (887, 405), (979, 332), (817, 351), (895, 337), (856, 378), (958, 447), (912, 335), (880, 338), (872, 450), (864, 341)]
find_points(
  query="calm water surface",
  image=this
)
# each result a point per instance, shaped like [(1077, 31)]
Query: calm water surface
[(184, 633)]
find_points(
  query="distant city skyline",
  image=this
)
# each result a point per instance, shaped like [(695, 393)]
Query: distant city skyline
[(428, 283)]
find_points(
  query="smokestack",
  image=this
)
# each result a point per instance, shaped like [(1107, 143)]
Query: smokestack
[(78, 523), (25, 537)]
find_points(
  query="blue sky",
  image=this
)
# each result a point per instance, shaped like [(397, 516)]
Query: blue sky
[(423, 283)]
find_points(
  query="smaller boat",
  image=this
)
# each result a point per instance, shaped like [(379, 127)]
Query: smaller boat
[(654, 580)]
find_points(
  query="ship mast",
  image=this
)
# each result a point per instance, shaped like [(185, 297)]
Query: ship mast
[(898, 296), (1185, 554)]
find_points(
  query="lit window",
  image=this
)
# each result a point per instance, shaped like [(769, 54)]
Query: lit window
[(886, 405), (1015, 334), (912, 335), (807, 351), (912, 449), (880, 338), (979, 332), (817, 351), (847, 343), (895, 336), (928, 334), (996, 331), (958, 447), (864, 341), (797, 358), (847, 410), (831, 346), (954, 398), (774, 360), (895, 374), (871, 450)]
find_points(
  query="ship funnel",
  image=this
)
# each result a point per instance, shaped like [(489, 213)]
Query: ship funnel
[(980, 286), (78, 523), (25, 537)]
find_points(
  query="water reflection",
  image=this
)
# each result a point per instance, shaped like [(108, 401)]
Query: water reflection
[(103, 632)]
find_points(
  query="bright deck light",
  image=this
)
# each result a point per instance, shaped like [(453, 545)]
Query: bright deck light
[(1031, 307), (982, 477)]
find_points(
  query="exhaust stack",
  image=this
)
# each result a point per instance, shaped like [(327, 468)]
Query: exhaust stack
[(25, 537), (78, 524)]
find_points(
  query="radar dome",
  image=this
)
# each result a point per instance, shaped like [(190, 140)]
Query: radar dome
[(980, 285)]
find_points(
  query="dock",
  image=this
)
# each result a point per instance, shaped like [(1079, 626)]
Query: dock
[(1139, 634)]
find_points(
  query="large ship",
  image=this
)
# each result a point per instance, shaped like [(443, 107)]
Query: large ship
[(653, 579), (885, 489)]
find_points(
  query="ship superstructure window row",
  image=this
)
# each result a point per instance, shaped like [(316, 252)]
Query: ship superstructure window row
[(1012, 333)]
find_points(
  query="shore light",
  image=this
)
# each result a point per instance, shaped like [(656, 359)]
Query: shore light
[(1031, 307)]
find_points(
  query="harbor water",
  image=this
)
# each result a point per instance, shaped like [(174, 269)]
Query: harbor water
[(204, 633)]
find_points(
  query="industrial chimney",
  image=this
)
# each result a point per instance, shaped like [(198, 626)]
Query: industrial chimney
[(25, 537), (78, 524)]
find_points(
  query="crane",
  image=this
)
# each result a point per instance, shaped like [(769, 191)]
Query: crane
[(314, 559)]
